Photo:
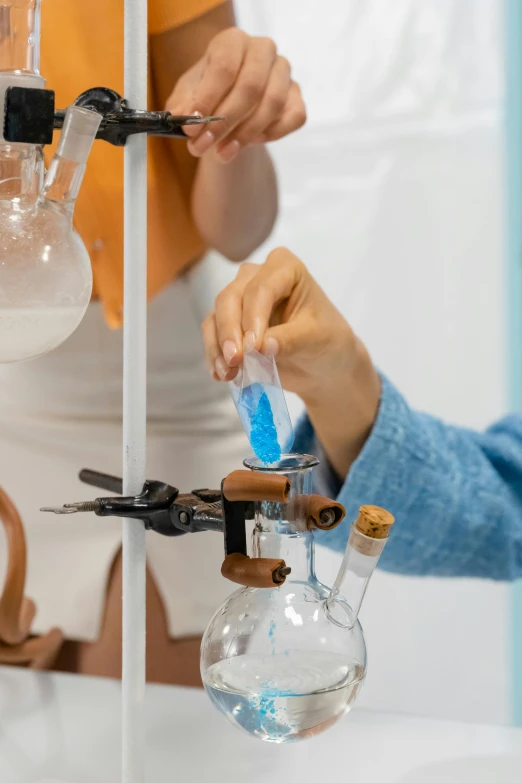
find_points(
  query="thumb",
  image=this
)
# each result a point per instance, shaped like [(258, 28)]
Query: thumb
[(181, 99), (289, 341)]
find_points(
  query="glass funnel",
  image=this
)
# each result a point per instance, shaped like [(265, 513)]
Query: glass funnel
[(284, 663)]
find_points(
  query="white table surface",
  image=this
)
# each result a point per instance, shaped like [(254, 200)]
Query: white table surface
[(66, 728)]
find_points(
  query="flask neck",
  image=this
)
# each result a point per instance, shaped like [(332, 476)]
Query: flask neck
[(20, 36), (21, 174), (296, 549), (63, 182), (367, 539), (281, 530), (65, 174)]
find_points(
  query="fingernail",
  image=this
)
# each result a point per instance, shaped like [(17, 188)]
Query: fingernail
[(221, 368), (192, 130), (271, 347), (249, 343), (203, 143), (229, 151), (229, 351)]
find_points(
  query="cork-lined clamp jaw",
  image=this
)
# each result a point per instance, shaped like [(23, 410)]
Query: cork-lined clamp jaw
[(163, 509)]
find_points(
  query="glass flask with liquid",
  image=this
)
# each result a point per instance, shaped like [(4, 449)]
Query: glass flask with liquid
[(285, 663), (45, 271)]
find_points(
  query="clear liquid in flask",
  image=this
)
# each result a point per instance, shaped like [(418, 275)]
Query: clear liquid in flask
[(284, 697)]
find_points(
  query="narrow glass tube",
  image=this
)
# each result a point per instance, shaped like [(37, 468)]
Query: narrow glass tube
[(65, 174), (368, 536), (20, 36)]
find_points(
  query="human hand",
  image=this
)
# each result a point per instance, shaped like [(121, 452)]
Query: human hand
[(243, 79), (279, 309)]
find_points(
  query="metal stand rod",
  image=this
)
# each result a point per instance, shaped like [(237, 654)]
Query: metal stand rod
[(134, 399), (513, 178)]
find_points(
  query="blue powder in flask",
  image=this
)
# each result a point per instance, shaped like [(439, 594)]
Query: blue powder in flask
[(263, 433)]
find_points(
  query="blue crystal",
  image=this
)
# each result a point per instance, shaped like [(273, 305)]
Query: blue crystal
[(263, 433)]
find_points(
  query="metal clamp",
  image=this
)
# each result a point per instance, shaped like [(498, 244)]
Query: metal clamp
[(30, 117), (163, 509)]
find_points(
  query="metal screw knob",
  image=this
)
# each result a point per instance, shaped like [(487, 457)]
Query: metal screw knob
[(328, 517), (280, 574)]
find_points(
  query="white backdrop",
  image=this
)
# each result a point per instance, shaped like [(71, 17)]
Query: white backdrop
[(392, 194)]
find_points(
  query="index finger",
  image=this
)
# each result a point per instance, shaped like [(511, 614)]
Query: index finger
[(222, 64), (275, 281), (227, 312)]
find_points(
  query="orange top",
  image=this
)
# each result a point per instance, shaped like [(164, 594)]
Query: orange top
[(82, 47)]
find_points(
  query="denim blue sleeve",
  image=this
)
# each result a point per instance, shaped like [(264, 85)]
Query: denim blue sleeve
[(456, 494)]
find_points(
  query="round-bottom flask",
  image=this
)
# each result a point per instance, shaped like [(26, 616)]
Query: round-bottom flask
[(273, 660), (45, 270)]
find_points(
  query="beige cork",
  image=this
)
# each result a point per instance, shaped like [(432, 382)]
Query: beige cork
[(374, 522)]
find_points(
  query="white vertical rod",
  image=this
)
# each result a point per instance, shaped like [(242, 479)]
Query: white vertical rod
[(134, 398)]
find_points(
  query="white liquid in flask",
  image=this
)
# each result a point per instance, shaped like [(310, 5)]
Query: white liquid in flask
[(29, 332)]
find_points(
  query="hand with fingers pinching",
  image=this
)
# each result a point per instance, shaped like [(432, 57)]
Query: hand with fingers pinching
[(279, 309), (245, 80)]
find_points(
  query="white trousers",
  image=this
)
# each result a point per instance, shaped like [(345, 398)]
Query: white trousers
[(63, 412)]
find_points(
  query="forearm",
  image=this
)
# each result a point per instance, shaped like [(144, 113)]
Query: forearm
[(344, 408), (234, 205), (456, 494)]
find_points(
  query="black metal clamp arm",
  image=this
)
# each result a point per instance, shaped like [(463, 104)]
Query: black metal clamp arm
[(164, 510), (30, 117), (160, 506)]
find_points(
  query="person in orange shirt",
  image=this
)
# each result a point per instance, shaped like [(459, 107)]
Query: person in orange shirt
[(211, 199)]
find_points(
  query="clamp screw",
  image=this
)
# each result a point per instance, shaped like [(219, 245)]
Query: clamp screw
[(280, 574), (328, 517)]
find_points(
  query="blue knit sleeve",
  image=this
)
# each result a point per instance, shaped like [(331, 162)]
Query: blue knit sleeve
[(456, 494)]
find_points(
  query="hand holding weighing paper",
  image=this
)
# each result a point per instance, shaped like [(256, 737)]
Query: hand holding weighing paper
[(467, 484)]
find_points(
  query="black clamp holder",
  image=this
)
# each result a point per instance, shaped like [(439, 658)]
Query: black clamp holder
[(160, 506), (163, 509), (30, 117)]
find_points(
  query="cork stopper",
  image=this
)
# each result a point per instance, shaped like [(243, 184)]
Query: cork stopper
[(374, 522)]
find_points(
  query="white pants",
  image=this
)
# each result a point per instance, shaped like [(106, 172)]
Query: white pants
[(61, 413)]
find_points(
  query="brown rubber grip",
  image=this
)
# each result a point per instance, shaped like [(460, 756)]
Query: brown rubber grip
[(253, 572), (17, 646), (16, 612), (322, 512), (374, 522), (37, 652), (253, 485)]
